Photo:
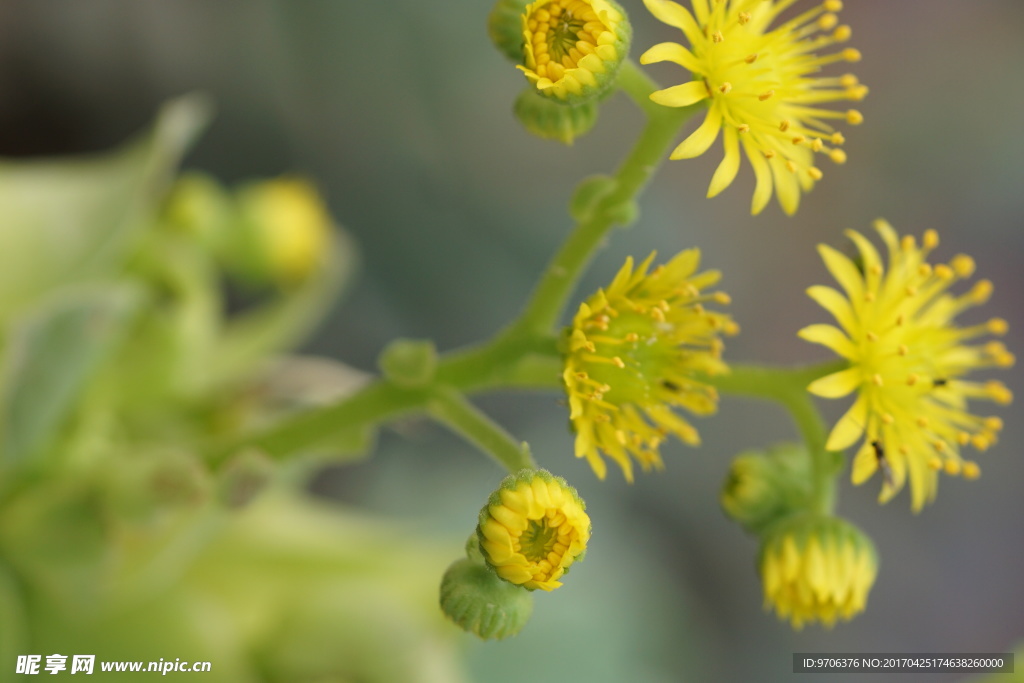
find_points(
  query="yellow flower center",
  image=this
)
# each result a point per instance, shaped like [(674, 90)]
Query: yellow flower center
[(630, 359), (562, 32), (544, 542)]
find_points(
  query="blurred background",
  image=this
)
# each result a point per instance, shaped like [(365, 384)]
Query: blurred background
[(401, 112)]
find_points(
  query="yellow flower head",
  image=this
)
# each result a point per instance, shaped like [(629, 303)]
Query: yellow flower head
[(816, 568), (636, 349), (907, 362), (572, 49), (533, 528), (763, 88), (292, 226)]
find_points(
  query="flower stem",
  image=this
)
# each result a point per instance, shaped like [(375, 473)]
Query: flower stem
[(525, 353), (788, 386), (616, 206), (453, 410), (507, 362)]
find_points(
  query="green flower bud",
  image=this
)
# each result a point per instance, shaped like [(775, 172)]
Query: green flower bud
[(548, 119), (816, 568), (762, 487), (198, 206), (505, 26), (572, 49), (478, 601), (409, 362)]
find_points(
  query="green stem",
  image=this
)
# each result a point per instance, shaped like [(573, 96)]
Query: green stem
[(525, 354), (548, 300), (788, 386), (506, 362), (453, 410)]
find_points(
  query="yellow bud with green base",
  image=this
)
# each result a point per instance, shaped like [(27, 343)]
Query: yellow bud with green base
[(816, 568), (532, 529), (287, 227)]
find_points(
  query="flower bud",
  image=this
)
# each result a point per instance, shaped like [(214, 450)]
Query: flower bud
[(533, 528), (198, 206), (478, 601), (409, 362), (816, 568), (572, 49), (289, 225), (762, 487), (547, 119)]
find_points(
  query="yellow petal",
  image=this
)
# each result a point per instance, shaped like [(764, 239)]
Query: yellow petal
[(865, 464), (623, 276), (510, 519), (684, 263), (763, 173), (672, 52), (726, 171), (786, 187), (681, 95), (843, 270), (676, 15), (923, 481), (832, 338), (888, 235), (850, 426), (838, 384), (835, 303), (699, 140), (869, 255)]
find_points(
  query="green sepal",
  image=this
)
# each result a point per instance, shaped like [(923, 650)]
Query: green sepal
[(549, 119), (480, 602), (505, 27)]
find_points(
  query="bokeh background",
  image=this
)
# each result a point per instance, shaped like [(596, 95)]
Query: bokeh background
[(401, 111)]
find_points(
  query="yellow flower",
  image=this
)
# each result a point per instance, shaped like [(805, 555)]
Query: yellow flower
[(764, 89), (572, 49), (816, 569), (533, 528), (637, 349), (292, 226), (907, 362)]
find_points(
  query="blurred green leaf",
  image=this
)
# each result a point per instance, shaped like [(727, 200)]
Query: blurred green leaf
[(50, 356), (13, 639), (73, 220)]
